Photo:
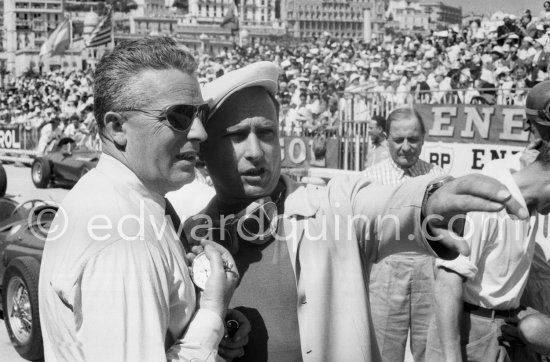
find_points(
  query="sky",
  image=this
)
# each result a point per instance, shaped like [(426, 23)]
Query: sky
[(490, 6)]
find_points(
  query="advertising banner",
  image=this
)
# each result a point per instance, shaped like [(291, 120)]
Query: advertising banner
[(10, 136), (474, 124), (463, 138), (299, 152), (459, 159)]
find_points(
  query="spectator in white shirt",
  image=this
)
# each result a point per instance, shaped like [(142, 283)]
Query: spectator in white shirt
[(475, 295), (527, 50)]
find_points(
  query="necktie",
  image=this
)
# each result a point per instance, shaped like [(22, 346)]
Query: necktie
[(171, 212)]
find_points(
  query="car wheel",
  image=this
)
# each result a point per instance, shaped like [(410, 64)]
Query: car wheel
[(20, 305), (3, 181), (41, 173)]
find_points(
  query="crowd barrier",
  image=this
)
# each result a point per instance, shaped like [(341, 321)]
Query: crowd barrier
[(346, 147), (474, 111), (18, 143)]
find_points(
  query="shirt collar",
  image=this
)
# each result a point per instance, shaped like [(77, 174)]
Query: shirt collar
[(413, 171), (297, 200), (508, 180), (398, 170), (121, 175)]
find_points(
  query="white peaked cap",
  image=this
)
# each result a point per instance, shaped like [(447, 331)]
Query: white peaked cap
[(261, 74)]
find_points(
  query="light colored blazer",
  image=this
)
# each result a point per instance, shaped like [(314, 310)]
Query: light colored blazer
[(334, 234), (332, 271)]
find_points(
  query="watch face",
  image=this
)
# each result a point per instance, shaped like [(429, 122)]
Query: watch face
[(200, 270)]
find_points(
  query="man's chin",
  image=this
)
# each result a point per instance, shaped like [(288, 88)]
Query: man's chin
[(407, 163), (255, 192), (177, 182)]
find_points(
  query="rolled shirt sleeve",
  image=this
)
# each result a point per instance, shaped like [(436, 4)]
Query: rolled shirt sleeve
[(461, 265)]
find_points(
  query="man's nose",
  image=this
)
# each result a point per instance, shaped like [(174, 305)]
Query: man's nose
[(197, 131), (253, 147)]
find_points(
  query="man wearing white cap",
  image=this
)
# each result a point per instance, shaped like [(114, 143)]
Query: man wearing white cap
[(304, 253)]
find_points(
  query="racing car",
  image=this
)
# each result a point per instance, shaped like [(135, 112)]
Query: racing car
[(23, 228), (66, 161)]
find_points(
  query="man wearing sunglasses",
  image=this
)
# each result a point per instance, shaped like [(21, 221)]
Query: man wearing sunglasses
[(305, 288), (114, 283)]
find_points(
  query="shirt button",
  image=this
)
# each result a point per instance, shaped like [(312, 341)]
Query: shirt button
[(303, 300)]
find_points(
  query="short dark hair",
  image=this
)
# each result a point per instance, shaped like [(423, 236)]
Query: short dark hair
[(380, 121), (116, 70), (405, 113)]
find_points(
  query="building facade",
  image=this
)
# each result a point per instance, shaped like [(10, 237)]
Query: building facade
[(259, 21), (252, 12), (340, 18), (27, 23), (408, 16), (442, 16)]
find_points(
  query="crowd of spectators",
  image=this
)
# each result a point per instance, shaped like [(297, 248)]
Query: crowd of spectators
[(51, 106), (494, 61)]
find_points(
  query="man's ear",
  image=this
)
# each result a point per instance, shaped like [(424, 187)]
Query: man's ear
[(114, 128)]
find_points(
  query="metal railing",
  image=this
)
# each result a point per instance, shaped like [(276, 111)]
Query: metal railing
[(355, 109)]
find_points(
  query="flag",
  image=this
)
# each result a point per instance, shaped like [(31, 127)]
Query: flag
[(231, 18), (102, 32), (58, 41)]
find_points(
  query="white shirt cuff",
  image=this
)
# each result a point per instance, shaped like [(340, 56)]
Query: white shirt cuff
[(206, 329)]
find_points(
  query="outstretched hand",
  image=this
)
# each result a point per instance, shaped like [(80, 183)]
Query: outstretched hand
[(446, 209)]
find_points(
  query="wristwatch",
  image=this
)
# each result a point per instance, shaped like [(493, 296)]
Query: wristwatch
[(433, 187)]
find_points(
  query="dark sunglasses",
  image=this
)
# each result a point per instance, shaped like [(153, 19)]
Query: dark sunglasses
[(179, 117)]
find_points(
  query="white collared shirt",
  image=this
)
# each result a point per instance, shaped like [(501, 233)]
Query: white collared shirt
[(501, 253), (541, 259), (114, 285)]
